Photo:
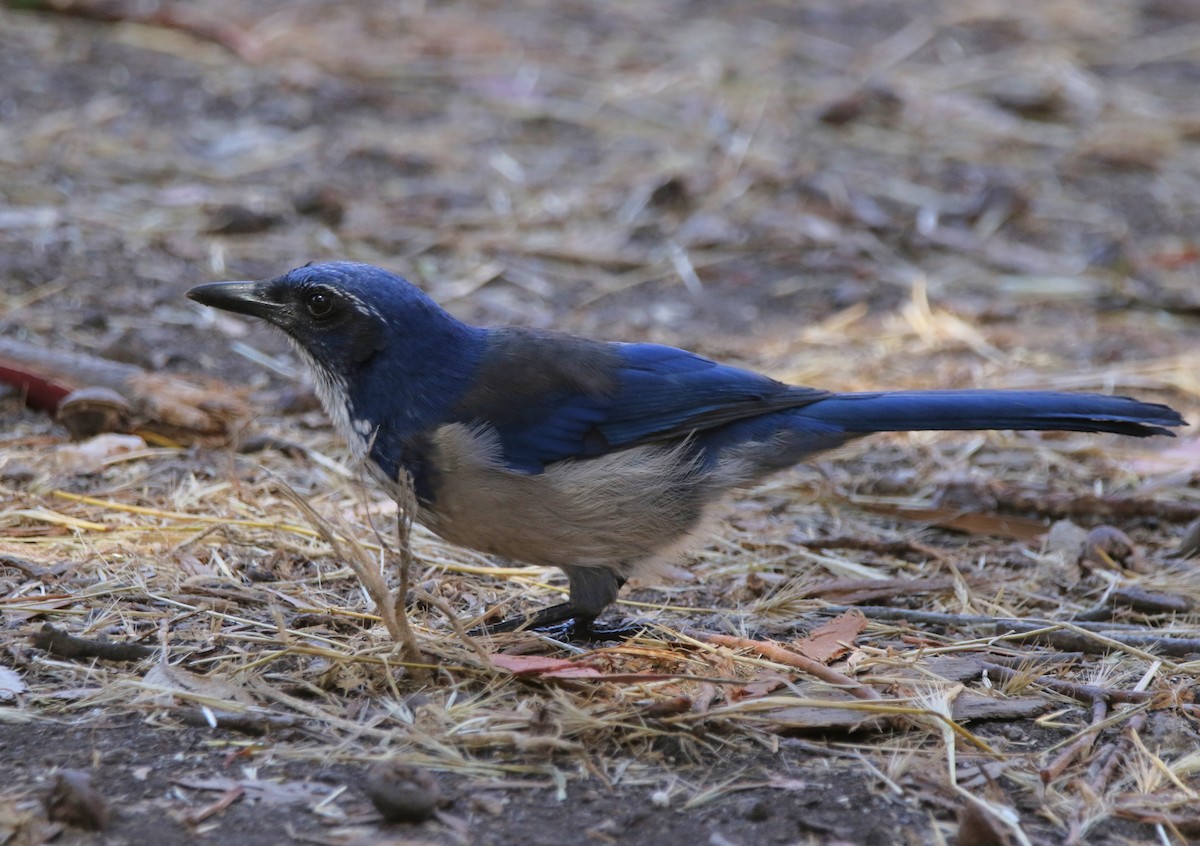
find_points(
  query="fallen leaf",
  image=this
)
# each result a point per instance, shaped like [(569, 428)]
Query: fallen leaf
[(833, 639), (542, 665)]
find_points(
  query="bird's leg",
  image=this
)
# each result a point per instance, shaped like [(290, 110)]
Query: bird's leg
[(592, 590)]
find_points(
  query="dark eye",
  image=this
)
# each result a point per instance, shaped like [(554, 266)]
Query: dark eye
[(319, 304)]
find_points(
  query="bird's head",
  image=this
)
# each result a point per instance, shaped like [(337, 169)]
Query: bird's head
[(387, 362), (340, 314)]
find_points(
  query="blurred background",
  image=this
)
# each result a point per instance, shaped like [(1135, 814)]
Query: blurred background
[(747, 178)]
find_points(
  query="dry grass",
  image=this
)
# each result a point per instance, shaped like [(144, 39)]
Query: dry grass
[(237, 581)]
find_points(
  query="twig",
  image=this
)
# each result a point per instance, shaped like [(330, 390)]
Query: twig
[(853, 591), (58, 642), (881, 547), (1080, 746), (159, 405), (1093, 638), (359, 560), (406, 499), (965, 621), (29, 568), (1036, 659), (227, 798), (48, 375), (1136, 599), (962, 520), (1007, 497), (1088, 639), (1085, 693), (459, 629), (249, 723), (1102, 767), (781, 655)]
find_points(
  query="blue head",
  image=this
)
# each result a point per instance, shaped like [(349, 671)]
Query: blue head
[(341, 314), (379, 348)]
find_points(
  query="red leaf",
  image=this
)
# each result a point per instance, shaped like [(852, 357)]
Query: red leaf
[(544, 666)]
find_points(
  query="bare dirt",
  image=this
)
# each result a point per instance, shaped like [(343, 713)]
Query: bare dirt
[(851, 195)]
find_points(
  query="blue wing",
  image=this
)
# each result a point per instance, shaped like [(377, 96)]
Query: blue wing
[(553, 397), (667, 393)]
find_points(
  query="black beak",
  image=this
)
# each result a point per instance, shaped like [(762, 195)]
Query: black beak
[(240, 297)]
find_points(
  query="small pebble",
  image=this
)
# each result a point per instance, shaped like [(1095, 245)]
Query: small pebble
[(401, 792), (757, 810), (74, 801)]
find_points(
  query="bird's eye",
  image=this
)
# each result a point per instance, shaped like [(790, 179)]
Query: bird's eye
[(319, 304)]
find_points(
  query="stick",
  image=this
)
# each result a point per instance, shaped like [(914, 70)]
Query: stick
[(781, 655), (1080, 746)]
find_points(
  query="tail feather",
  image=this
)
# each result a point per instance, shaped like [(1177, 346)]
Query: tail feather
[(905, 411)]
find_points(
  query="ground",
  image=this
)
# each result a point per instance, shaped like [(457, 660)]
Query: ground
[(851, 195)]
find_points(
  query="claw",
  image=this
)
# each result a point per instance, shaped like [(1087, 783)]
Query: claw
[(562, 622), (584, 630)]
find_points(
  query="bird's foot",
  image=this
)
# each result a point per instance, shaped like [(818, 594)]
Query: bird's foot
[(584, 630), (543, 617), (563, 622)]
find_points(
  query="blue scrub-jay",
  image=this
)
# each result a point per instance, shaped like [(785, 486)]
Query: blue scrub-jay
[(598, 458)]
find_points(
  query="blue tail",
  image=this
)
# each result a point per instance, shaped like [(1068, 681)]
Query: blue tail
[(910, 411)]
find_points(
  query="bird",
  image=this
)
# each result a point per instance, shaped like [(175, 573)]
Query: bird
[(604, 459)]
